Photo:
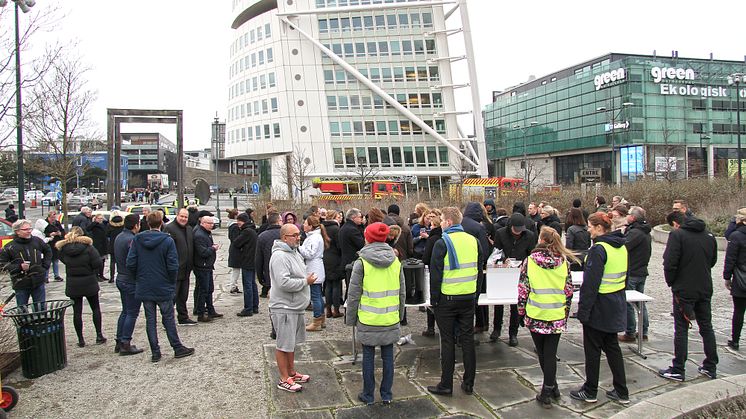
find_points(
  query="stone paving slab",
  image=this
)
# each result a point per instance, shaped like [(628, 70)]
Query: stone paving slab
[(422, 407), (565, 375), (323, 391), (532, 409), (501, 388), (459, 402), (497, 355), (352, 382), (306, 414)]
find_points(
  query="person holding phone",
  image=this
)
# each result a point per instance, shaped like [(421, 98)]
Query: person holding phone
[(27, 260)]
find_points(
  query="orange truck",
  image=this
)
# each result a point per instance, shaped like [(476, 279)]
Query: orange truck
[(338, 190)]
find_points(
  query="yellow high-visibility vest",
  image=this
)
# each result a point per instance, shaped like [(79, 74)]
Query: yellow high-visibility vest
[(461, 281), (379, 303), (546, 299), (615, 270)]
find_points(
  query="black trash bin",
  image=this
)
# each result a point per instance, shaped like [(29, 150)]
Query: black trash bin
[(414, 281), (41, 336)]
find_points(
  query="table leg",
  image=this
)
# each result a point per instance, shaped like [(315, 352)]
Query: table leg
[(640, 308)]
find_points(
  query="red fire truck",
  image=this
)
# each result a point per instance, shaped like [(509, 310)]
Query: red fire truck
[(346, 189)]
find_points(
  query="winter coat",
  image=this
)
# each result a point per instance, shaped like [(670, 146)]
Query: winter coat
[(51, 228), (312, 251), (290, 291), (578, 239), (417, 241), (735, 256), (81, 221), (82, 263), (204, 254), (690, 254), (31, 250), (115, 227), (154, 263), (472, 224), (435, 235), (39, 226), (552, 221), (515, 247), (350, 242), (332, 256), (603, 312), (382, 256), (264, 244), (405, 242), (184, 240), (437, 262), (545, 260), (245, 243), (121, 249), (234, 254), (502, 221), (639, 247), (492, 213), (97, 232)]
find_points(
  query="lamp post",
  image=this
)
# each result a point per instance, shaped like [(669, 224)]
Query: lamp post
[(614, 115), (216, 154), (24, 5), (736, 79), (703, 154), (524, 162)]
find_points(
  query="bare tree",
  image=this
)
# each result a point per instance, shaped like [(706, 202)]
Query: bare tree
[(462, 172), (530, 172), (296, 171), (666, 165), (365, 173), (58, 120)]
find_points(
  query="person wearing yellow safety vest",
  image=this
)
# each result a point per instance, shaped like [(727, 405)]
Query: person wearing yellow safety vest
[(602, 309), (375, 306), (454, 281), (544, 299)]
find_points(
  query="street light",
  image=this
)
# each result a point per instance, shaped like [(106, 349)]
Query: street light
[(524, 163), (705, 171), (736, 79), (24, 5), (216, 154), (614, 178)]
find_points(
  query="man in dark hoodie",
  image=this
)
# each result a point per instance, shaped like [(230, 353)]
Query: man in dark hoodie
[(472, 224), (350, 240), (264, 251), (183, 236), (691, 252), (489, 205), (639, 250), (126, 286), (116, 223), (205, 254), (154, 263), (245, 243)]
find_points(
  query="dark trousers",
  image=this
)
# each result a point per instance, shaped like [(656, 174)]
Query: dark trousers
[(250, 291), (112, 267), (498, 320), (430, 320), (546, 348), (102, 268), (130, 311), (167, 317), (78, 315), (333, 293), (181, 295), (482, 313), (205, 286), (739, 306), (703, 314), (451, 315), (595, 341)]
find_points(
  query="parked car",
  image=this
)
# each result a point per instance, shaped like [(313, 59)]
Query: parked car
[(50, 199), (6, 232), (34, 195), (76, 202), (11, 193), (137, 209)]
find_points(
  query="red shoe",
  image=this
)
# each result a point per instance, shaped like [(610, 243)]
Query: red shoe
[(289, 385), (300, 378)]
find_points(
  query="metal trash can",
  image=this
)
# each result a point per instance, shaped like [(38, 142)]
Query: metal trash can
[(41, 336), (414, 281)]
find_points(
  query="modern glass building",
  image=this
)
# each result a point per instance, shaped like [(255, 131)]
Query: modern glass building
[(618, 118), (347, 85)]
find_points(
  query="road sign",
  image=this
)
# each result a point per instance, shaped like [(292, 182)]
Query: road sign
[(59, 196), (255, 188)]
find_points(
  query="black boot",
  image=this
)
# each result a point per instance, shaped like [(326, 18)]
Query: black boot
[(556, 395), (544, 397), (117, 346), (129, 349)]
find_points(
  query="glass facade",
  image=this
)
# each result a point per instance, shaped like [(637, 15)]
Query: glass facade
[(631, 116)]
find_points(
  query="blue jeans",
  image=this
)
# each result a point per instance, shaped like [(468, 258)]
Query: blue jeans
[(130, 311), (317, 300), (250, 292), (636, 283), (56, 267), (169, 323), (38, 294), (369, 379), (205, 288)]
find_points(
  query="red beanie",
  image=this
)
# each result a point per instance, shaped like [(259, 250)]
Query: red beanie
[(376, 233)]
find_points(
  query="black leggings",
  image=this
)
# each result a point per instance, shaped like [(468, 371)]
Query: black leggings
[(739, 306), (333, 293), (546, 348), (78, 315)]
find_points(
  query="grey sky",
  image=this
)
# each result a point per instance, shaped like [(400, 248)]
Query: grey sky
[(173, 54)]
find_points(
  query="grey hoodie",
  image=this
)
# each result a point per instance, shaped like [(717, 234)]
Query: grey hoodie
[(290, 291), (380, 255)]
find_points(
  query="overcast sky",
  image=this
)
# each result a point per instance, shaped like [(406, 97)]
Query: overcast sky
[(173, 54)]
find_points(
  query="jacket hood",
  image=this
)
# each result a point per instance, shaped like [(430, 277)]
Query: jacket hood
[(285, 216), (329, 223), (614, 238), (551, 218), (641, 225), (76, 245), (741, 228), (545, 259), (116, 221), (281, 246), (151, 238), (490, 202), (40, 224), (378, 254), (694, 224), (474, 211)]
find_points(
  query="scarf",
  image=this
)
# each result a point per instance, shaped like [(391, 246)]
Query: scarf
[(452, 256)]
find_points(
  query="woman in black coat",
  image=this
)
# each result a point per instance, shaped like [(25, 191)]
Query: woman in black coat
[(735, 259), (57, 233), (577, 238), (97, 232), (82, 262), (333, 267), (234, 253), (116, 224), (435, 234)]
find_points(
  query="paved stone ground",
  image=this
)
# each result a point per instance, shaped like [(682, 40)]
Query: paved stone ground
[(233, 373)]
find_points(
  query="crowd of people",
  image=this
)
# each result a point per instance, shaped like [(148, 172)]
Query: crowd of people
[(324, 259)]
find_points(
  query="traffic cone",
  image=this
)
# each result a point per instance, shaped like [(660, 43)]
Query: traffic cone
[(33, 203)]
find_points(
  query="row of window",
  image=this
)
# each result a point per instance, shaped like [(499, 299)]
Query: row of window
[(252, 61), (244, 110), (700, 128), (342, 3), (258, 132), (382, 48), (385, 74), (415, 20), (254, 35), (253, 84), (410, 100), (407, 156), (718, 105), (390, 127)]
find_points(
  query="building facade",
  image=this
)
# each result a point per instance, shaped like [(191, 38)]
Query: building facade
[(618, 118), (351, 85), (148, 153)]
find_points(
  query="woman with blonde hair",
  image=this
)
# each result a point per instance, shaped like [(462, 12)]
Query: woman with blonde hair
[(420, 229), (734, 273), (312, 251), (544, 299)]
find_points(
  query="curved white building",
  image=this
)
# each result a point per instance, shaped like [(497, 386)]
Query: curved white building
[(347, 83)]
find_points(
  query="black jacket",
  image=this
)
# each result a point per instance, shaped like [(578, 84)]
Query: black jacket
[(32, 250), (184, 239), (116, 224), (333, 269), (437, 261), (515, 247), (435, 235), (639, 248), (350, 242), (552, 221), (234, 253), (204, 254), (690, 254), (81, 221), (51, 228), (245, 243), (472, 224), (604, 312), (578, 239), (405, 242), (735, 256), (264, 244), (97, 232), (82, 263)]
